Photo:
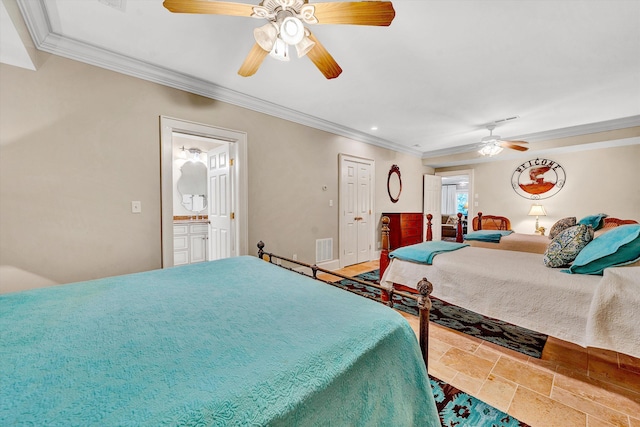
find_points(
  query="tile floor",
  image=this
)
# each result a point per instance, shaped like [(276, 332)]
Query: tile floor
[(570, 386)]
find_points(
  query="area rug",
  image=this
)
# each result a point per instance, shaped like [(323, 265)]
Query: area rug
[(451, 316), (457, 408)]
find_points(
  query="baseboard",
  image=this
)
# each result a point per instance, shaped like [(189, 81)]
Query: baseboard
[(328, 265), (334, 264)]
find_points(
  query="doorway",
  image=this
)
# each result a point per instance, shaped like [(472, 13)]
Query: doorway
[(462, 197), (461, 190), (357, 228), (457, 195), (238, 195)]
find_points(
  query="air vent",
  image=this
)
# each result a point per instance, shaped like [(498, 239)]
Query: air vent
[(116, 4), (508, 119), (324, 250)]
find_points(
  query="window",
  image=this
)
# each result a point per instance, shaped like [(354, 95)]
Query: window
[(462, 200)]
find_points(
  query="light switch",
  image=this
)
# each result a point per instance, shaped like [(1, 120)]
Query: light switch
[(136, 207), (330, 202)]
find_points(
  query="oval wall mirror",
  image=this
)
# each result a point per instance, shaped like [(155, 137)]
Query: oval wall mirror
[(192, 186), (394, 183)]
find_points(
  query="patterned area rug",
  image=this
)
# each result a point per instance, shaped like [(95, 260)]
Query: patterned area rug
[(457, 408), (451, 316)]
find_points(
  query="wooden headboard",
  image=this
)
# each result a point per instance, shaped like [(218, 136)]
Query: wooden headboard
[(491, 222), (614, 222)]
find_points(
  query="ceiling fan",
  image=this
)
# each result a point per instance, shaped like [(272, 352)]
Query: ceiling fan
[(493, 144), (285, 26)]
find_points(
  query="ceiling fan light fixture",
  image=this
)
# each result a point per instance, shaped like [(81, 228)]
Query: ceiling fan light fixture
[(490, 149), (291, 30), (280, 50)]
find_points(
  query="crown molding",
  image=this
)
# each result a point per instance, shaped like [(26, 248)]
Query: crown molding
[(625, 122), (609, 125), (46, 39), (439, 162)]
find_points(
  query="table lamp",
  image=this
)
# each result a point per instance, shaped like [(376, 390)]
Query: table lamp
[(538, 211)]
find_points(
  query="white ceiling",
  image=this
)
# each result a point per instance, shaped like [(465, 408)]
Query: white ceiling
[(430, 82)]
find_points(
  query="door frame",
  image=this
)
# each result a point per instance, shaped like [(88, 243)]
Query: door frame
[(472, 199), (238, 148), (341, 224)]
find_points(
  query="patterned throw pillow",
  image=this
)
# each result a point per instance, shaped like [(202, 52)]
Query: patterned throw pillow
[(566, 246), (561, 225)]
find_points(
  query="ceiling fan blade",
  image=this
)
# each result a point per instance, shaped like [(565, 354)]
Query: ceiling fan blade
[(323, 59), (513, 145), (210, 7), (379, 13), (253, 61)]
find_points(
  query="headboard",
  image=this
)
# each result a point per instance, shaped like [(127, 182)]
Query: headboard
[(614, 222), (491, 222)]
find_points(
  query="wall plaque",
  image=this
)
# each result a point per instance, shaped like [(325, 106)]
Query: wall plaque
[(538, 179)]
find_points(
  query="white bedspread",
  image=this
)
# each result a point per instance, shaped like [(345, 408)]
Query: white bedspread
[(614, 317), (591, 311)]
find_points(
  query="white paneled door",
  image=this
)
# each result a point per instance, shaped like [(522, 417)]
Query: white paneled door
[(220, 235), (356, 210)]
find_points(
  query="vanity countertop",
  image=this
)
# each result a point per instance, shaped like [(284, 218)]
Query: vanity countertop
[(191, 221), (185, 219)]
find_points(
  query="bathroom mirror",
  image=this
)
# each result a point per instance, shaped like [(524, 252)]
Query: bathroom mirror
[(192, 186), (394, 183)]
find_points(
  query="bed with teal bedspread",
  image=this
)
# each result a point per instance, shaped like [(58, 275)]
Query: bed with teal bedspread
[(425, 252), (230, 342), (487, 235)]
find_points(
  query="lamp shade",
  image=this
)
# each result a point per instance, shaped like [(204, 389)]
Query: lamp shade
[(304, 46), (266, 36), (537, 210), (291, 30)]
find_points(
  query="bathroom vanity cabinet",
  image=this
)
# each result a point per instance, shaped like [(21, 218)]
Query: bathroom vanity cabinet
[(189, 242)]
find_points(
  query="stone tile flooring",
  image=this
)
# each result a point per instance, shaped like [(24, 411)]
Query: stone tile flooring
[(569, 386)]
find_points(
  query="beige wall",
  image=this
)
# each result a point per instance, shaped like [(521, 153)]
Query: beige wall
[(601, 180), (79, 143)]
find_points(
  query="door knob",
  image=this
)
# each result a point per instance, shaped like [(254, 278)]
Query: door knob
[(358, 218)]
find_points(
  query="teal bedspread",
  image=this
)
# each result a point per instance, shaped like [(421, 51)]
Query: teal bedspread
[(425, 252), (487, 235), (234, 342)]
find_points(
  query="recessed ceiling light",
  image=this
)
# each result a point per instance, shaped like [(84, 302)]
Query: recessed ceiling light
[(374, 127)]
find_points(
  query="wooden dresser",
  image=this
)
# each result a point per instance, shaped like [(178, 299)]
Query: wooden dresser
[(406, 229)]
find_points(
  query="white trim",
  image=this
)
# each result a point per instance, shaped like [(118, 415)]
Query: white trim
[(170, 125), (330, 265)]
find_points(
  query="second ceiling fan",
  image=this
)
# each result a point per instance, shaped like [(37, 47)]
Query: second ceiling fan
[(493, 144), (285, 26)]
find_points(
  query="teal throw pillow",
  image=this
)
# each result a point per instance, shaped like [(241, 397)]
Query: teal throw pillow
[(596, 221), (566, 246), (619, 246)]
